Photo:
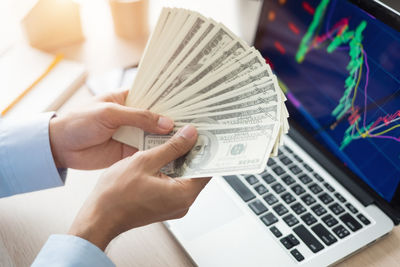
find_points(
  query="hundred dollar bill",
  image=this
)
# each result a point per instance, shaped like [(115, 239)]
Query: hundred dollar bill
[(230, 53), (175, 31), (249, 95), (148, 51), (172, 24), (242, 68), (215, 87), (221, 151), (253, 115), (212, 44), (189, 34)]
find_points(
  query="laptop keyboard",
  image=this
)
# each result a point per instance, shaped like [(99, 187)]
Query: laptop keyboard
[(290, 191)]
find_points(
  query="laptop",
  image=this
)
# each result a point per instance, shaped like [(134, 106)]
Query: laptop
[(334, 187)]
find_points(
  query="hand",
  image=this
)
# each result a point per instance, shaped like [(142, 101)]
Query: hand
[(82, 139), (133, 192)]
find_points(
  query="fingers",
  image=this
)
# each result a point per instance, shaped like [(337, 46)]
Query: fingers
[(118, 115), (175, 147)]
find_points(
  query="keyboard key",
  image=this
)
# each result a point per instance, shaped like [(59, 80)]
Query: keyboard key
[(308, 199), (305, 179), (289, 241), (269, 219), (271, 162), (290, 220), (298, 158), (350, 222), (351, 208), (308, 218), (297, 189), (329, 187), (329, 220), (316, 189), (239, 187), (295, 169), (340, 231), (258, 207), (279, 152), (318, 177), (336, 208), (297, 255), (280, 209), (285, 160), (288, 149), (261, 189), (325, 198), (340, 197), (270, 199), (286, 243), (307, 167), (287, 179), (311, 242), (268, 178), (318, 210), (324, 234), (298, 208), (363, 219), (278, 188), (278, 170), (288, 198), (251, 179), (275, 231), (292, 239)]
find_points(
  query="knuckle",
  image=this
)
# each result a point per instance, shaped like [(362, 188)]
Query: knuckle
[(107, 110), (187, 202), (141, 158), (148, 115), (181, 213)]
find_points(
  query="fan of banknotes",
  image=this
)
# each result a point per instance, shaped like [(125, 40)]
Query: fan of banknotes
[(196, 71)]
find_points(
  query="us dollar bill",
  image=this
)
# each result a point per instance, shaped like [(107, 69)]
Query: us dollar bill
[(221, 151), (190, 35), (215, 87), (252, 96), (251, 115), (230, 52), (214, 42)]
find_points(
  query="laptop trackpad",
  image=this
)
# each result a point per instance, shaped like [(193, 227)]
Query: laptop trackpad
[(212, 209)]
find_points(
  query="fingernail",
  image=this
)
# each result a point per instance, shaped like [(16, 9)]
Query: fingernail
[(165, 123), (187, 132)]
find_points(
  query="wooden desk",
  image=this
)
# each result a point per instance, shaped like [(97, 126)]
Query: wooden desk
[(26, 221)]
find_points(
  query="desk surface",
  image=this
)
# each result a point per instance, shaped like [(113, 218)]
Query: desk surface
[(27, 220)]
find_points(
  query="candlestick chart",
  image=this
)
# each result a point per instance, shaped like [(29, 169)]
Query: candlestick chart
[(339, 67), (341, 37)]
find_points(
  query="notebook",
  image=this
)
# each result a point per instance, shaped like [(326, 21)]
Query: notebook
[(21, 66)]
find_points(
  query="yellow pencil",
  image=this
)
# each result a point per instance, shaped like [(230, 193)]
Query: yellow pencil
[(55, 61)]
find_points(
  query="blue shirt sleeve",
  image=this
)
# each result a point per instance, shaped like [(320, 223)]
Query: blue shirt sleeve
[(68, 251), (27, 164), (26, 161)]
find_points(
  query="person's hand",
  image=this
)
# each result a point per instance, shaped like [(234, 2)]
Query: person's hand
[(133, 192), (82, 139)]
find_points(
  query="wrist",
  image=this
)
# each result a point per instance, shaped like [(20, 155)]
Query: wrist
[(93, 225), (54, 129)]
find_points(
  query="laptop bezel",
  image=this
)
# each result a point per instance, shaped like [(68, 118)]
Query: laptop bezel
[(364, 193)]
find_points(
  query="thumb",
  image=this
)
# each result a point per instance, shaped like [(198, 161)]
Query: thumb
[(177, 146)]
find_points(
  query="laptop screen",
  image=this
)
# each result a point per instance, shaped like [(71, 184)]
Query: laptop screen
[(340, 69)]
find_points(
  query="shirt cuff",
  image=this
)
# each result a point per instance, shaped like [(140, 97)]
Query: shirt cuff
[(69, 250), (26, 160)]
